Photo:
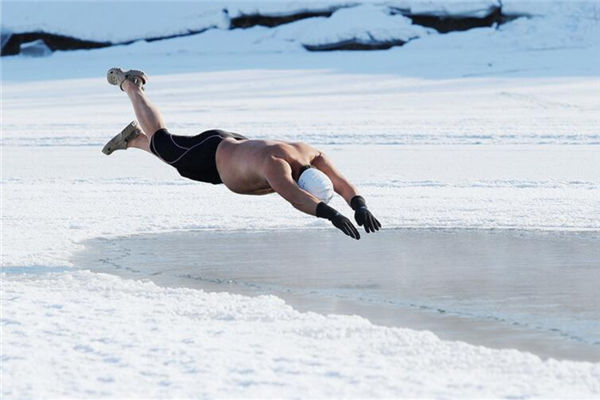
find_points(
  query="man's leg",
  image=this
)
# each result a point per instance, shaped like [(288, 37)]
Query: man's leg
[(146, 113), (140, 142)]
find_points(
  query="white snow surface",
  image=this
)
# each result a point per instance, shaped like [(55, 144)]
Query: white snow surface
[(134, 20), (111, 21), (281, 8), (365, 24), (366, 21), (103, 21), (104, 336), (442, 132)]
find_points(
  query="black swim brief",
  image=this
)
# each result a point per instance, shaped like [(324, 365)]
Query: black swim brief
[(193, 156)]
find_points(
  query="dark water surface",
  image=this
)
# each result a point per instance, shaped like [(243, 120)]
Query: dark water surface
[(530, 290)]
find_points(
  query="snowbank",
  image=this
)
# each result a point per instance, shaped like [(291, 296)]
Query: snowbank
[(366, 25), (130, 21), (327, 25), (238, 9), (95, 335), (111, 22), (345, 25)]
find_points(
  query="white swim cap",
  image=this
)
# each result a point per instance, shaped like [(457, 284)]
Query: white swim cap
[(316, 183)]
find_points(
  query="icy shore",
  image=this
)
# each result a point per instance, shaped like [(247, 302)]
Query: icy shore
[(460, 284), (93, 335)]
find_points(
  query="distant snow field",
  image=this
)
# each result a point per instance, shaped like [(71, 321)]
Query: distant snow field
[(490, 128)]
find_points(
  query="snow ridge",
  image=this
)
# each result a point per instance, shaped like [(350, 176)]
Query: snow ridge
[(370, 26)]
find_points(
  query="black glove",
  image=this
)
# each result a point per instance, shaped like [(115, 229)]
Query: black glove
[(363, 216), (337, 219)]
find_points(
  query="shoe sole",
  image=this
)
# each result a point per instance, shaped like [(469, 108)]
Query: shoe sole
[(116, 77)]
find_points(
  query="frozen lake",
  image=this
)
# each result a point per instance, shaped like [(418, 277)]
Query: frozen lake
[(531, 290), (483, 144)]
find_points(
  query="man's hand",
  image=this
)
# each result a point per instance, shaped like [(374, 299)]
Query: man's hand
[(338, 220), (344, 224), (363, 216)]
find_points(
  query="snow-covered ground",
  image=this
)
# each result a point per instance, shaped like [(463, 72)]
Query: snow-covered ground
[(488, 128), (88, 335)]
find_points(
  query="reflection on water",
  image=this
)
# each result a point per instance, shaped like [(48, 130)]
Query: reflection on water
[(535, 291)]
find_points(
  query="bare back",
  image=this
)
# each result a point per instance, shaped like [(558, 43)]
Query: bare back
[(242, 165)]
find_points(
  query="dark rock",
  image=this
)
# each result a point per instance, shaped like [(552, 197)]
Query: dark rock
[(449, 23), (188, 33), (354, 44), (54, 42), (248, 21)]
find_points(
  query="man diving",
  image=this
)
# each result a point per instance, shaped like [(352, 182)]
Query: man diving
[(299, 173)]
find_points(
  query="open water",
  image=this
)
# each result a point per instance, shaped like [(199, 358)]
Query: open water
[(531, 290)]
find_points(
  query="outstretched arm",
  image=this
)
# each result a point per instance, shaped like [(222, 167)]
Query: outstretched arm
[(279, 175), (345, 189)]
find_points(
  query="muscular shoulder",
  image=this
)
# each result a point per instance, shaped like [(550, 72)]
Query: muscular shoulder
[(273, 166)]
